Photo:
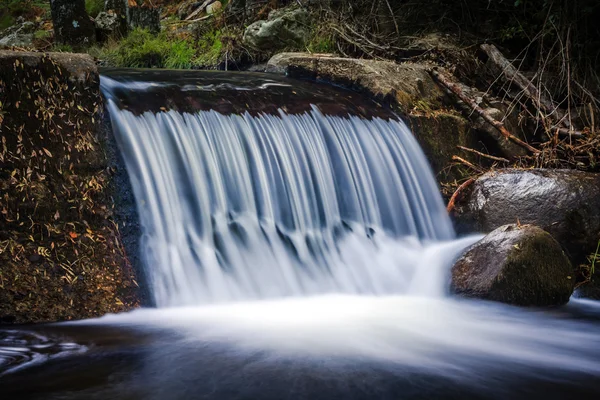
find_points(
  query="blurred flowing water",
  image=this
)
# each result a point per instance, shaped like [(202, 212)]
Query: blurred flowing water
[(297, 246)]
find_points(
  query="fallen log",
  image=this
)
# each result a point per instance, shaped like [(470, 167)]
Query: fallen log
[(454, 88), (513, 75)]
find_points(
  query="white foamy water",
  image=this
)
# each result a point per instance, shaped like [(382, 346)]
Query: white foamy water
[(460, 339)]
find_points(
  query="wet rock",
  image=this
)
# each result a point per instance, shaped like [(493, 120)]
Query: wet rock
[(520, 265), (72, 24), (145, 18), (20, 35), (284, 28), (565, 203)]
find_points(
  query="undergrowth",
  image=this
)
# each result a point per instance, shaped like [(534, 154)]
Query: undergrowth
[(10, 10), (94, 7), (141, 49)]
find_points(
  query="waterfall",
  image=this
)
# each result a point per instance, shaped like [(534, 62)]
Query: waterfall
[(254, 205)]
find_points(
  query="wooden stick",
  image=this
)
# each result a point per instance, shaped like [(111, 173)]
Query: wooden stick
[(513, 74), (452, 202), (483, 154), (468, 164), (454, 88), (199, 10)]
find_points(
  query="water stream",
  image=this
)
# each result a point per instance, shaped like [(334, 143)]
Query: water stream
[(296, 246)]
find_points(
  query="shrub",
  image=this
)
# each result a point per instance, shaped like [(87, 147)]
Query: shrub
[(94, 7)]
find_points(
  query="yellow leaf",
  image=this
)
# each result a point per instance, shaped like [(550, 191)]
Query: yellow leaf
[(47, 152)]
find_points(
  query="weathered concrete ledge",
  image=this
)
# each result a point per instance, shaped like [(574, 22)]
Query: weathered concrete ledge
[(61, 252)]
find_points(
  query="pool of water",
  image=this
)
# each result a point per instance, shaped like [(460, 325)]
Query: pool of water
[(324, 347)]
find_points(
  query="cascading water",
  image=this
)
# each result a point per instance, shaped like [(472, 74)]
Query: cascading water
[(243, 206)]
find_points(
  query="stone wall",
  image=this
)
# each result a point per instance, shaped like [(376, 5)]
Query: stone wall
[(61, 250)]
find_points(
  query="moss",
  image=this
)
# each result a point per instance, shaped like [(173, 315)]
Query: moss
[(439, 133), (532, 265)]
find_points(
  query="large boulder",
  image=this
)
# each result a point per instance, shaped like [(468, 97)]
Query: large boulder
[(19, 35), (284, 28), (72, 24), (520, 265), (408, 88), (61, 246), (565, 203)]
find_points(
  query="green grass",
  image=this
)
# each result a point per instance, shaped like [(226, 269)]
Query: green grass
[(141, 49), (595, 258), (321, 42), (210, 47), (41, 34), (62, 48)]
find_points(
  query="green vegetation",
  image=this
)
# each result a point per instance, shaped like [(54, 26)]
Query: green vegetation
[(62, 48), (94, 7), (10, 10), (141, 49), (41, 34), (321, 44), (210, 47), (593, 258)]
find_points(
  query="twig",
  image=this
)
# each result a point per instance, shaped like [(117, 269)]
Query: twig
[(500, 159), (199, 10), (467, 163), (461, 188), (454, 88), (525, 84)]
